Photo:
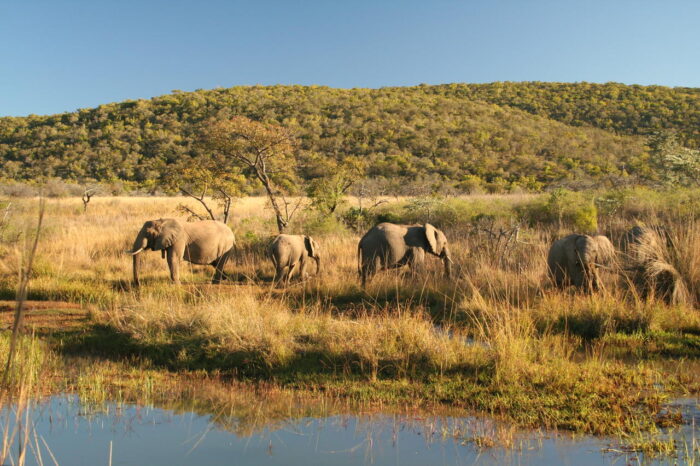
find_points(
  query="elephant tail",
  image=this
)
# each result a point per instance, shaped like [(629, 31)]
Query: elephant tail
[(359, 259)]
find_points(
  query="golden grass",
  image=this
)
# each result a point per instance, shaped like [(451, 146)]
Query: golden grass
[(83, 260)]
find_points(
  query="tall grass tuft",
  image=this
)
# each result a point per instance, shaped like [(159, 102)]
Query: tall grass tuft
[(21, 372), (664, 263)]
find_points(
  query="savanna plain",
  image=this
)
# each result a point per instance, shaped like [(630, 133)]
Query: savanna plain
[(497, 339)]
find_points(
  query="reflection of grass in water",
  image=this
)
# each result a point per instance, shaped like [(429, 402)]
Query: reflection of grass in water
[(249, 409), (684, 447)]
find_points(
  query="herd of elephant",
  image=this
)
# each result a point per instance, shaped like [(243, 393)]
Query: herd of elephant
[(572, 260)]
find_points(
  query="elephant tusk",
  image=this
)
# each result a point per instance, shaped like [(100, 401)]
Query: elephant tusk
[(133, 253)]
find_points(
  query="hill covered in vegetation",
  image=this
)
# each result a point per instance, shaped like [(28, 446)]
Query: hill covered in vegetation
[(495, 135), (615, 107)]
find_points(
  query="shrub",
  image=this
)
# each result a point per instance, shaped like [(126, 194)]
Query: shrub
[(358, 220), (564, 209), (322, 224)]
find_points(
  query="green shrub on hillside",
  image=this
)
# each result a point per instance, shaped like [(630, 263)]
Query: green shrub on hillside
[(562, 209)]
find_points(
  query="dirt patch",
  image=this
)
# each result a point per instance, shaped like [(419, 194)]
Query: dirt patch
[(9, 306), (45, 316)]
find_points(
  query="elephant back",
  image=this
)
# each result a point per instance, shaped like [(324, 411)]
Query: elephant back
[(208, 240), (605, 250)]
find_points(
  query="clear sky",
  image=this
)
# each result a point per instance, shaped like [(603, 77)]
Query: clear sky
[(60, 55)]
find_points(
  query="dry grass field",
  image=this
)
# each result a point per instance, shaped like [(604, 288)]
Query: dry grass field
[(496, 338)]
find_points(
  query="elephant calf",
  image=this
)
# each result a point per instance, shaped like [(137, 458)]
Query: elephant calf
[(575, 259), (390, 246), (290, 254), (206, 242)]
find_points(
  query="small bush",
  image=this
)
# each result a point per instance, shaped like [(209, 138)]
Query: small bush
[(322, 224), (563, 209), (358, 220)]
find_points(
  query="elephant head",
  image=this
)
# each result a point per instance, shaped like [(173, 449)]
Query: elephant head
[(313, 250), (593, 252), (437, 245), (156, 235)]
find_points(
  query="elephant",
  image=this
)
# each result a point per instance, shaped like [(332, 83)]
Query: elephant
[(648, 253), (643, 244), (203, 242), (291, 253), (575, 259), (390, 246)]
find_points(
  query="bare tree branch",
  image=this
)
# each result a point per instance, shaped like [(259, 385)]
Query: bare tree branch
[(201, 200)]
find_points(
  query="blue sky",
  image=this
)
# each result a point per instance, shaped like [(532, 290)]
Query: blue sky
[(57, 56)]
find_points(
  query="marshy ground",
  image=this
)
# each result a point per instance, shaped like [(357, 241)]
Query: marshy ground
[(495, 340)]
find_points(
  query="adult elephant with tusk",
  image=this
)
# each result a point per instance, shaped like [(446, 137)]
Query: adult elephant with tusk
[(206, 242), (390, 246), (575, 260)]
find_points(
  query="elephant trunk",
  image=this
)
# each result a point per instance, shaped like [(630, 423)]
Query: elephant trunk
[(137, 265), (318, 264), (140, 244), (590, 274), (447, 261)]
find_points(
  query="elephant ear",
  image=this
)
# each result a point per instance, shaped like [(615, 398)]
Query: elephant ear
[(310, 245), (582, 248), (169, 231), (431, 237)]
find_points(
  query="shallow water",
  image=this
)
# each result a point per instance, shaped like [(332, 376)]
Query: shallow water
[(81, 435)]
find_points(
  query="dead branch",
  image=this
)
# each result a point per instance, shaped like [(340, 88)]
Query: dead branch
[(88, 193), (193, 214), (201, 200)]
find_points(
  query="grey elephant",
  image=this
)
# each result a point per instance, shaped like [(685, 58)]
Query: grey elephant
[(290, 255), (575, 260), (649, 253), (643, 244), (390, 246), (206, 242)]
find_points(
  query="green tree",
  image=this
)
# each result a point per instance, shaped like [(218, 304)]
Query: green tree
[(327, 191), (677, 165), (263, 150)]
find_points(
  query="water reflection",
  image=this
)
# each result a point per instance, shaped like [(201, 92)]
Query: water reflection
[(78, 433)]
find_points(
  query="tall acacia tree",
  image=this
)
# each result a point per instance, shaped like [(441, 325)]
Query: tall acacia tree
[(207, 179), (265, 150)]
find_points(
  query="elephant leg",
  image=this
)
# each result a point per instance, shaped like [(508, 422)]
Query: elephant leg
[(578, 278), (302, 270), (368, 269), (375, 266), (416, 261), (280, 273), (219, 265), (291, 271), (559, 277), (592, 280), (174, 265)]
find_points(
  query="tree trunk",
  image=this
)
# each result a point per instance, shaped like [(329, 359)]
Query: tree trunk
[(281, 221)]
